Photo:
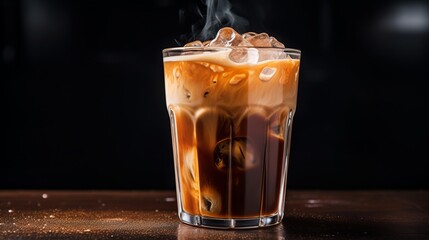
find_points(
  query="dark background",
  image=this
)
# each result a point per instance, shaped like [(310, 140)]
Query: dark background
[(83, 103)]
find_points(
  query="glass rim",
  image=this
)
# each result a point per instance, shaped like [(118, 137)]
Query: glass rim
[(287, 50)]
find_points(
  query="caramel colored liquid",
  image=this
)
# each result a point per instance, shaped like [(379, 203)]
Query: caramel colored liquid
[(230, 130)]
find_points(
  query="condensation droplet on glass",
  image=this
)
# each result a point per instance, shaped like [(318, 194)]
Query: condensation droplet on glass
[(267, 73)]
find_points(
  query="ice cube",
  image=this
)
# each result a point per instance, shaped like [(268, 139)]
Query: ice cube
[(260, 40), (244, 55), (248, 35), (239, 150), (211, 125), (238, 55), (267, 73), (275, 43), (270, 54), (197, 43), (278, 123), (226, 37), (216, 68), (236, 79)]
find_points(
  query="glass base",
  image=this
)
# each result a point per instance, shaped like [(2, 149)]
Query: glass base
[(230, 223)]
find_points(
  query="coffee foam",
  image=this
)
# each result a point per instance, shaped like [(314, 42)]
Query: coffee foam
[(221, 56)]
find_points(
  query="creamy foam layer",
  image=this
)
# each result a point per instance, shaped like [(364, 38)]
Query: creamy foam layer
[(212, 78), (221, 56)]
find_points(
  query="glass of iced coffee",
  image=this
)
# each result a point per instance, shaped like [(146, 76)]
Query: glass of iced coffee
[(231, 102)]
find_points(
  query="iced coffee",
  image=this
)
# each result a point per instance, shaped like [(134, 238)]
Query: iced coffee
[(231, 102)]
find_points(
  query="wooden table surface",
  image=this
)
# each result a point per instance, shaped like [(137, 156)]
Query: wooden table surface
[(152, 215)]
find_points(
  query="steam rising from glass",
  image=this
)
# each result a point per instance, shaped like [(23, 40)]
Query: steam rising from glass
[(217, 14)]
